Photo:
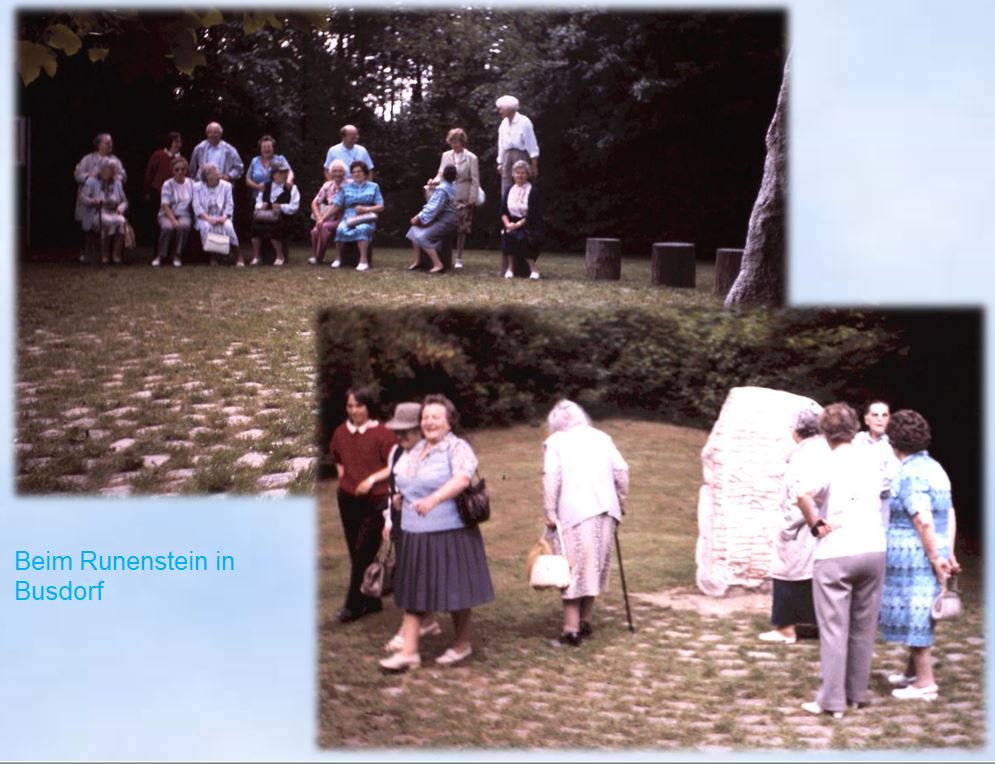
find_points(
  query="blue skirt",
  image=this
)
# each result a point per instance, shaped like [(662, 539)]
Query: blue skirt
[(442, 572), (361, 232)]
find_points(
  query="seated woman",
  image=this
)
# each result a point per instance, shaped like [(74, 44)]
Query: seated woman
[(175, 213), (436, 223), (521, 214), (103, 209), (213, 207), (325, 222), (261, 167), (273, 217), (358, 201), (89, 167)]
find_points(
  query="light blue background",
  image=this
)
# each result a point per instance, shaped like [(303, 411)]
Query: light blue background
[(892, 202)]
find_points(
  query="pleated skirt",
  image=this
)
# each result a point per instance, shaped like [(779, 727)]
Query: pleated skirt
[(442, 572)]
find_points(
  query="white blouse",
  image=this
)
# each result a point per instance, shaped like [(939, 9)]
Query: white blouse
[(518, 200)]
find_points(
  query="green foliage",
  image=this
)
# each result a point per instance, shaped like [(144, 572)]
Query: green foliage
[(509, 365)]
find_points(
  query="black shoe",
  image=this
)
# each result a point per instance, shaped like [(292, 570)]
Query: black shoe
[(572, 638), (857, 704), (345, 615), (585, 629)]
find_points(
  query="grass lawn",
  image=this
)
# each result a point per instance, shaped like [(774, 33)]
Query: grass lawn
[(134, 380), (682, 681)]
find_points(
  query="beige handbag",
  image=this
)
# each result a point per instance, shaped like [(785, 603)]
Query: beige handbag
[(947, 605), (217, 243), (551, 571)]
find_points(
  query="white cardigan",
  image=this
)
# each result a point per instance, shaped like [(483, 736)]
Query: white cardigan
[(584, 475)]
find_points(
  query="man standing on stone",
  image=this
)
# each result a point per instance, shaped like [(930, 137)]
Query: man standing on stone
[(516, 140), (348, 151), (215, 151), (877, 414)]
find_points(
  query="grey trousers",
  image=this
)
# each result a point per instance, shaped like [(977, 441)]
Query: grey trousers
[(168, 233), (510, 157), (847, 594)]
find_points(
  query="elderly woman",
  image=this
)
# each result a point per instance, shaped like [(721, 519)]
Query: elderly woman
[(176, 202), (104, 204), (360, 203), (213, 207), (794, 545), (467, 185), (521, 214), (436, 222), (261, 167), (360, 447), (325, 222), (843, 513), (273, 217), (921, 533), (88, 167), (442, 566), (585, 484)]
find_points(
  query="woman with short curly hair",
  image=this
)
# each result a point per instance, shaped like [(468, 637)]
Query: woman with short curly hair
[(920, 553)]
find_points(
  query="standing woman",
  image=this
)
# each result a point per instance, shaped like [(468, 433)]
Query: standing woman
[(88, 167), (844, 513), (261, 167), (436, 222), (442, 566), (325, 222), (521, 214), (104, 205), (921, 533), (585, 483), (213, 205), (176, 202), (467, 185), (361, 197), (360, 447), (794, 545)]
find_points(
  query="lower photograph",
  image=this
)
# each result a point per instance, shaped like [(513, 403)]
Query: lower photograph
[(555, 529)]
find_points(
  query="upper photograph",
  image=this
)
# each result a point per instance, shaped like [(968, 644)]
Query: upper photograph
[(193, 187)]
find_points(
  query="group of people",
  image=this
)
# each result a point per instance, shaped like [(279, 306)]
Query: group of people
[(400, 480), (198, 194), (865, 545)]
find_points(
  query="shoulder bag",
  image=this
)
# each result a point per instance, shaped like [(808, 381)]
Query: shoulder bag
[(378, 580), (474, 504), (551, 571), (947, 605)]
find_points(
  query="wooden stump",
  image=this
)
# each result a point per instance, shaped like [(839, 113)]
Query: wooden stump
[(727, 262), (445, 255), (673, 264), (350, 254), (604, 259)]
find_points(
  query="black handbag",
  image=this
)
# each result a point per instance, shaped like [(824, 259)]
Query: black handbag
[(474, 504), (378, 579)]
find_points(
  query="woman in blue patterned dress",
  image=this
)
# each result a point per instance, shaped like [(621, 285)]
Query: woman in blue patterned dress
[(920, 554), (361, 197), (436, 223)]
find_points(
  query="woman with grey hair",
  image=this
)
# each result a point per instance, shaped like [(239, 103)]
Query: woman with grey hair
[(214, 206), (89, 167), (843, 513), (521, 215), (794, 544), (104, 204), (585, 484)]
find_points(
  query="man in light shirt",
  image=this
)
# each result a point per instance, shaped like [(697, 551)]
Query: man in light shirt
[(877, 414), (516, 140), (348, 151), (213, 150)]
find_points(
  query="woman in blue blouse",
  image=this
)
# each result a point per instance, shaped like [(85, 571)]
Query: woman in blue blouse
[(361, 197), (442, 566), (436, 223), (920, 553), (260, 172)]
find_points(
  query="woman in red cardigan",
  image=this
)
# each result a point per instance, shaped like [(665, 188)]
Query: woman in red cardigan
[(360, 447)]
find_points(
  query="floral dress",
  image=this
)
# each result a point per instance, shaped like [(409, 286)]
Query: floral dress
[(350, 195)]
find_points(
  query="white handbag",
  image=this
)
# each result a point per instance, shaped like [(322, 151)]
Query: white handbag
[(551, 571), (481, 196), (217, 243)]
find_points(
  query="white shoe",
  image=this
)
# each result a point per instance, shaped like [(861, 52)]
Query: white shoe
[(363, 267), (312, 260), (255, 261), (929, 692), (509, 275), (815, 708), (458, 264), (900, 680), (336, 263), (534, 275), (278, 262), (177, 263), (452, 657), (399, 663), (396, 643), (777, 637), (156, 263)]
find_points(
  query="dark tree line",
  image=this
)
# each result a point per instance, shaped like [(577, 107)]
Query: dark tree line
[(651, 125)]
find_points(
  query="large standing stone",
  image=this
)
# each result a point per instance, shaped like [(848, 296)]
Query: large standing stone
[(604, 259), (673, 264), (761, 278)]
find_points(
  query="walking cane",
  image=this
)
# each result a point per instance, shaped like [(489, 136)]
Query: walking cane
[(625, 590)]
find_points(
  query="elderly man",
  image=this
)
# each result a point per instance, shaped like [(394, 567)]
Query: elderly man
[(215, 151), (877, 414), (516, 140), (348, 151)]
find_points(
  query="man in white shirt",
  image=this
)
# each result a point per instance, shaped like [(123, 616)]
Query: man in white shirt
[(516, 140), (877, 414), (348, 151)]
